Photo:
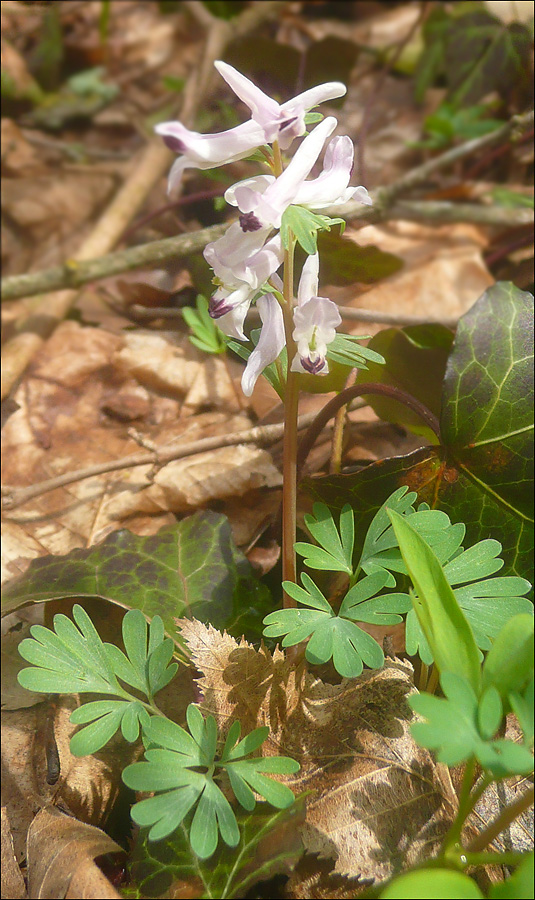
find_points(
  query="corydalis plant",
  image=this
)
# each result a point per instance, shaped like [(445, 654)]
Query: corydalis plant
[(182, 767), (276, 211)]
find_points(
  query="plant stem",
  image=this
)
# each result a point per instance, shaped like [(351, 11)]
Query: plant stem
[(501, 822), (465, 805), (291, 406), (289, 453)]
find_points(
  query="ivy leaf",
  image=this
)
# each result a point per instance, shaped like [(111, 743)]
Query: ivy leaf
[(332, 636), (482, 474), (270, 843), (189, 568)]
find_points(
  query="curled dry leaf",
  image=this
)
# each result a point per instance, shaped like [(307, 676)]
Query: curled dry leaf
[(187, 484), (61, 850), (88, 786), (13, 887), (380, 803)]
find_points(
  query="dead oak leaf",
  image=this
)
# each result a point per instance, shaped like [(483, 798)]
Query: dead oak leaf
[(379, 801)]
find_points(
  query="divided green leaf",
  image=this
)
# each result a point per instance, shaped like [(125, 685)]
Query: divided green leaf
[(458, 726), (335, 553), (332, 636), (180, 767), (304, 225), (73, 659)]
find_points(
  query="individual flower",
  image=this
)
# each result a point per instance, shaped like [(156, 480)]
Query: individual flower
[(251, 258), (264, 199), (207, 151), (230, 306), (270, 121), (315, 320), (270, 343), (331, 187), (241, 264), (280, 122)]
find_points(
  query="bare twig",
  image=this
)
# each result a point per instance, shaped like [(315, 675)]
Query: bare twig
[(261, 435), (75, 273)]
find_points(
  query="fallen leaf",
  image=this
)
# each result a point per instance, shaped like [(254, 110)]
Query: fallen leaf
[(380, 803), (13, 887), (442, 276), (61, 849), (88, 786)]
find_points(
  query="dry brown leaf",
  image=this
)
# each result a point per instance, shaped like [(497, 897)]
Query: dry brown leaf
[(88, 786), (13, 887), (380, 802), (159, 363), (61, 848), (187, 484), (443, 271), (76, 409)]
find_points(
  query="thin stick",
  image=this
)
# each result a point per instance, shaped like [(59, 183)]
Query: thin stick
[(262, 435), (358, 390)]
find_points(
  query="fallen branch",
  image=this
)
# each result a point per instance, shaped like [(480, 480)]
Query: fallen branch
[(261, 435), (75, 273)]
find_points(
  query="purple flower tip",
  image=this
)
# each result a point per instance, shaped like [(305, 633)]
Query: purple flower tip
[(218, 308), (174, 144), (249, 222), (313, 366)]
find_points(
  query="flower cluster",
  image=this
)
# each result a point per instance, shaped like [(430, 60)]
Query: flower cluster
[(245, 261)]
